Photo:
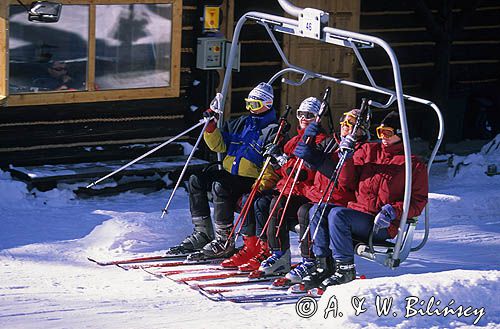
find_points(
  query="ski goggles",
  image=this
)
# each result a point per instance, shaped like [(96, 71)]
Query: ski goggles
[(348, 119), (385, 132), (305, 114), (255, 104)]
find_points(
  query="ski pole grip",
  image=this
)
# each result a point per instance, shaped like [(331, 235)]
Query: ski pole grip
[(363, 113), (287, 111), (324, 103)]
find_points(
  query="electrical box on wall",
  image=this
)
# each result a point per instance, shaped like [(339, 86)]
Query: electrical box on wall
[(210, 53)]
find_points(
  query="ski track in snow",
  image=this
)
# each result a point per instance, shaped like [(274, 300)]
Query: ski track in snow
[(46, 281)]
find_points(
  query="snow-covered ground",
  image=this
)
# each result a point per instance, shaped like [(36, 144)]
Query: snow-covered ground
[(46, 281)]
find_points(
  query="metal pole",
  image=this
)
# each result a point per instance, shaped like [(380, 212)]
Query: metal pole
[(146, 154), (185, 166)]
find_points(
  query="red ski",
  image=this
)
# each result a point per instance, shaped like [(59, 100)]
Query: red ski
[(135, 260), (215, 261), (232, 282)]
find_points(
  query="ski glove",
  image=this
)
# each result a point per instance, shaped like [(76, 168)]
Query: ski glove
[(347, 144), (216, 103), (311, 131), (277, 157), (384, 218), (309, 154)]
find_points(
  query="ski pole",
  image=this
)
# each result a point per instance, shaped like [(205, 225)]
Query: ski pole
[(206, 121), (336, 174), (323, 200), (277, 201), (322, 110), (364, 112), (244, 211), (146, 154)]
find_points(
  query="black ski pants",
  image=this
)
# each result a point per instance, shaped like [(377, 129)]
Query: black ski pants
[(226, 189), (277, 237)]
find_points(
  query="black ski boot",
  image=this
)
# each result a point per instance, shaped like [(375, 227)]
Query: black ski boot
[(202, 234), (220, 247), (324, 268), (344, 272)]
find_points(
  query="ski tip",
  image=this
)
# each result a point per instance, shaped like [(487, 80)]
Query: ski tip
[(96, 262), (362, 276)]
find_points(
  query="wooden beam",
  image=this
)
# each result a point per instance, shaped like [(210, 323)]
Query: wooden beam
[(175, 49), (4, 52), (91, 50)]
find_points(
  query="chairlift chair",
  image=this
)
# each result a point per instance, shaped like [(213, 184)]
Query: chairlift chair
[(313, 23)]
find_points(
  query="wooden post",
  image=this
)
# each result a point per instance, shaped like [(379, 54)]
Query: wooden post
[(4, 49)]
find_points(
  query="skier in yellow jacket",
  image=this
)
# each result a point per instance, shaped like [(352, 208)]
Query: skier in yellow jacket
[(243, 140)]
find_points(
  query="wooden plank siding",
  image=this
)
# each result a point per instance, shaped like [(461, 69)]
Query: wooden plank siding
[(64, 133), (474, 58)]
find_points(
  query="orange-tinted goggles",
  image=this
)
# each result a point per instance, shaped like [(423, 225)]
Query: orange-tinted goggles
[(385, 132), (348, 120)]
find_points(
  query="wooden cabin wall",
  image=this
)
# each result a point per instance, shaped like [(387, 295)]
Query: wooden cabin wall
[(67, 133), (474, 61)]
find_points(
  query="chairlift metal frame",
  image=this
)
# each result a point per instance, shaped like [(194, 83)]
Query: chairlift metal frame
[(356, 41)]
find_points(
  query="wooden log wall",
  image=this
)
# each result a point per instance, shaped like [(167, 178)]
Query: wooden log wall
[(474, 61), (98, 131)]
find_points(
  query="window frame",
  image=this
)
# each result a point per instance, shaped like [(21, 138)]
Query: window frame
[(91, 95)]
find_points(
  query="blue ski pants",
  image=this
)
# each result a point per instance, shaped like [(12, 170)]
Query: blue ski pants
[(335, 231)]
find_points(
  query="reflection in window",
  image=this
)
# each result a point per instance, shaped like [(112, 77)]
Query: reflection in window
[(133, 46), (48, 57)]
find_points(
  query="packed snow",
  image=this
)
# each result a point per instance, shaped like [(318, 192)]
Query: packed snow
[(46, 280)]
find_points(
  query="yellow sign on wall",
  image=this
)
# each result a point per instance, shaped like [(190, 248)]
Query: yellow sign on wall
[(211, 19)]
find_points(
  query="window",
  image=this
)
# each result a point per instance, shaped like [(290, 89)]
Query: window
[(48, 57), (99, 50), (133, 46)]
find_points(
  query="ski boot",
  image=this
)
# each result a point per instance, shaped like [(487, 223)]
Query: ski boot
[(250, 249), (324, 269), (220, 247), (202, 234), (278, 262), (344, 272), (253, 263), (305, 268)]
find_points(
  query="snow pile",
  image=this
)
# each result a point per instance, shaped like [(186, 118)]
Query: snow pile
[(47, 282), (473, 165), (11, 192), (419, 301)]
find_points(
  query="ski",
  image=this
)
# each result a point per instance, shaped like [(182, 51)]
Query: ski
[(220, 290), (260, 298), (214, 261), (231, 282), (136, 260), (208, 277)]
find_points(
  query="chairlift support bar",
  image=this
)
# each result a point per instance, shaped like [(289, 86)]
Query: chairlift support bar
[(354, 41)]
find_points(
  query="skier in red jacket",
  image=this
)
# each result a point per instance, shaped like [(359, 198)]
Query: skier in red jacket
[(378, 204), (283, 162), (340, 196)]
